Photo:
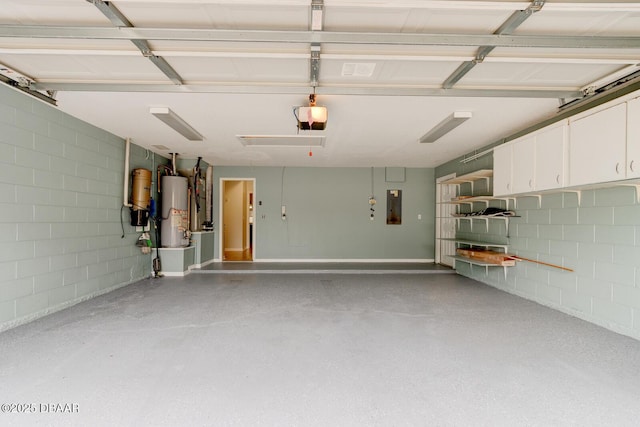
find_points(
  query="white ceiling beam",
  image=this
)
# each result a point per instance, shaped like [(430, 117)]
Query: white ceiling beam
[(586, 60), (337, 37), (420, 4), (608, 60), (304, 89)]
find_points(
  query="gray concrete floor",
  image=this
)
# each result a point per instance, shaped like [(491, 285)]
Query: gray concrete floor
[(318, 350)]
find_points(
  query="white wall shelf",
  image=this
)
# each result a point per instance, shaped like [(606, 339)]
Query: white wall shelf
[(486, 175), (471, 178), (471, 200), (473, 262), (479, 243), (635, 183), (484, 218)]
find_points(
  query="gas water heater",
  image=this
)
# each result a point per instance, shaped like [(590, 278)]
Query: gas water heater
[(140, 197), (174, 231)]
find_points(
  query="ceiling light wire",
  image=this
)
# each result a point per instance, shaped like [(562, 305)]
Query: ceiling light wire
[(371, 181), (372, 198), (282, 187)]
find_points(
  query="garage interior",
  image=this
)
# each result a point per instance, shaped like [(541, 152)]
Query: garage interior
[(333, 161)]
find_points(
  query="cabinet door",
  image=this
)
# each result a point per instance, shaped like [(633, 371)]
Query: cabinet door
[(633, 138), (551, 157), (502, 170), (597, 146), (523, 169)]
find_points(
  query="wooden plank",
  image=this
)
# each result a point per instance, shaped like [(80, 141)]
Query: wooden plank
[(491, 257)]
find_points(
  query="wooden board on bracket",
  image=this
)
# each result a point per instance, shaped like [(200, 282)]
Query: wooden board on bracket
[(491, 257)]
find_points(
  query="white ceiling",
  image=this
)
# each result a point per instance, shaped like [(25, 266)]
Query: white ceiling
[(249, 65)]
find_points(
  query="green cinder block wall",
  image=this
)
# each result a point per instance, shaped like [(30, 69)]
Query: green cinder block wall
[(328, 213), (61, 183)]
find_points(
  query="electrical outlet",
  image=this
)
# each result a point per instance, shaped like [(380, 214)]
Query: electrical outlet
[(419, 216), (284, 212)]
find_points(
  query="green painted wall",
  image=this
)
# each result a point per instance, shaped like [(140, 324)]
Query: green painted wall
[(61, 183), (328, 213)]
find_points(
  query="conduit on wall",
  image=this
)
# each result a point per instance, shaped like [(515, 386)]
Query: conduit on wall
[(208, 224), (127, 154)]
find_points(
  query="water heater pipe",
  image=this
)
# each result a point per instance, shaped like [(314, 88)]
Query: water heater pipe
[(208, 194), (127, 154), (173, 164)]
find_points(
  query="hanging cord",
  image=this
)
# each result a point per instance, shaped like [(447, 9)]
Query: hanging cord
[(283, 215), (154, 267), (282, 187), (122, 221), (372, 198), (297, 120), (372, 181)]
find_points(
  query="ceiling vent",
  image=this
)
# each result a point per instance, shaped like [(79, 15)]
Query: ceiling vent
[(358, 69)]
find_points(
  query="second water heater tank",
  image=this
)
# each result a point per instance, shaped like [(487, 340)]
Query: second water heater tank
[(175, 220)]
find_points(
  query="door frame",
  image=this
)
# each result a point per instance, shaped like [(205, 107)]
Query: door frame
[(221, 222), (440, 232)]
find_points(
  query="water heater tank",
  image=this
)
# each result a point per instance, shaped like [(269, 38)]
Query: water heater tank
[(175, 220), (140, 197)]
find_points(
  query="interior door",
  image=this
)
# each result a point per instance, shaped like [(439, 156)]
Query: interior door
[(236, 243)]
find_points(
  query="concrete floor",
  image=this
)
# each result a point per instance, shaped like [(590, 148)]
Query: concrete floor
[(318, 350)]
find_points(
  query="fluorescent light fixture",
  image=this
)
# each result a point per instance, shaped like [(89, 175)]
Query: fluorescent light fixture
[(446, 126), (282, 140), (176, 123)]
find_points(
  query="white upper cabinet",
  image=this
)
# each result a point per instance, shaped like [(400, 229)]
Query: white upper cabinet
[(502, 170), (551, 156), (534, 162), (633, 138), (524, 165), (597, 146)]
